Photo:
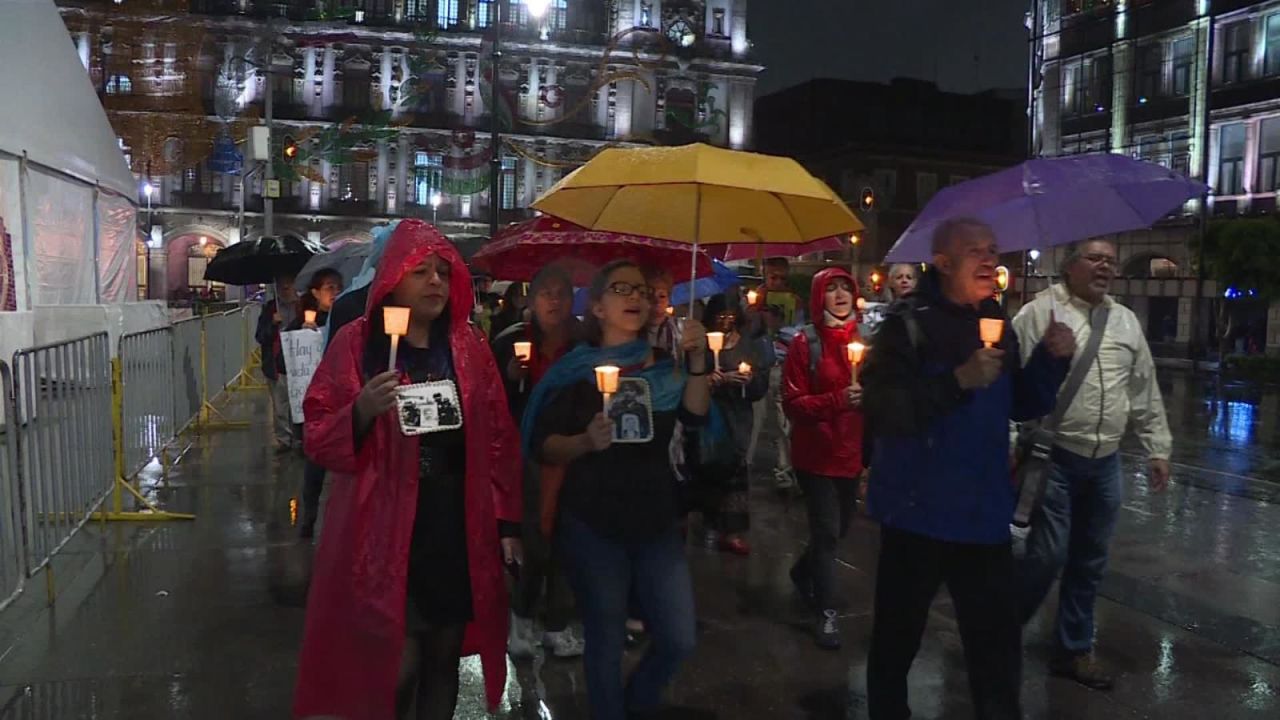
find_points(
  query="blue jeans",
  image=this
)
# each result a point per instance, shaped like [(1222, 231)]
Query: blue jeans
[(1071, 532), (604, 574)]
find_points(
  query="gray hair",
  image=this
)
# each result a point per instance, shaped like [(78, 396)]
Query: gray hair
[(950, 228)]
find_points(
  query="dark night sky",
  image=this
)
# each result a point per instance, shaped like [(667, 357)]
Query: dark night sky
[(966, 45)]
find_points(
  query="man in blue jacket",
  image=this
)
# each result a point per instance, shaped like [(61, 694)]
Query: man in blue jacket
[(939, 405)]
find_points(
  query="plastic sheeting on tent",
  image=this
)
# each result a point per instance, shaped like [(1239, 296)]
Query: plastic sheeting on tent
[(68, 206)]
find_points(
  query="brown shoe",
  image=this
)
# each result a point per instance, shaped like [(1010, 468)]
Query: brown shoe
[(1084, 668)]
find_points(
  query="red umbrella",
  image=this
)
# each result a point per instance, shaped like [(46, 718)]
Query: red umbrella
[(521, 250), (752, 251)]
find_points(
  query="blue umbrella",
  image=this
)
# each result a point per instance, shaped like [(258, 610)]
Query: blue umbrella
[(721, 280)]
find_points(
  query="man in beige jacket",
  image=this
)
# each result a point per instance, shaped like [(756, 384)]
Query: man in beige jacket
[(1072, 529)]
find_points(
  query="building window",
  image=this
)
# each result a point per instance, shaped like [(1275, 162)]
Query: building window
[(1269, 156), (1184, 55), (646, 14), (1231, 159), (353, 181), (1235, 56), (508, 183), (886, 186), (428, 177), (717, 22), (1087, 85), (1180, 152), (1272, 61), (417, 10), (1149, 72), (446, 13), (119, 85), (558, 15), (484, 13), (926, 187)]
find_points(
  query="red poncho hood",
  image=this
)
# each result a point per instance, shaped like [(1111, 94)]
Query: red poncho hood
[(355, 628)]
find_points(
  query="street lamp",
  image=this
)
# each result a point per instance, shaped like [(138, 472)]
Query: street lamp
[(435, 206), (537, 9), (148, 190)]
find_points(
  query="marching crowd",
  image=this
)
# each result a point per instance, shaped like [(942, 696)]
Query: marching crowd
[(556, 498)]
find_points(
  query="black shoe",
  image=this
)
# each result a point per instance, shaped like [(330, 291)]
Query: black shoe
[(1084, 668), (827, 634), (803, 582)]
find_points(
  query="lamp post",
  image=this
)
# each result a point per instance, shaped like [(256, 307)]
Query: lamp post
[(537, 9), (435, 206)]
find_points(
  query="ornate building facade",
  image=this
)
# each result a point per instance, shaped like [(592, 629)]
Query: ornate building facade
[(382, 108), (1191, 84)]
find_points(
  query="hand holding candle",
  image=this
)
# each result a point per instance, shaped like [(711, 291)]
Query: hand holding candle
[(744, 371), (395, 322), (856, 349), (524, 353), (990, 330), (715, 341), (607, 382)]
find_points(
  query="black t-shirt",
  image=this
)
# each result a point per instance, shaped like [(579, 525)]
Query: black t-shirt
[(626, 493)]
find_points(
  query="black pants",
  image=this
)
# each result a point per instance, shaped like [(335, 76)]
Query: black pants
[(312, 489), (830, 503), (980, 579), (542, 583)]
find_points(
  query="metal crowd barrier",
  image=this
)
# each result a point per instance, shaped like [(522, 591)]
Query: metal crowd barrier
[(148, 410), (62, 417), (187, 382), (12, 565)]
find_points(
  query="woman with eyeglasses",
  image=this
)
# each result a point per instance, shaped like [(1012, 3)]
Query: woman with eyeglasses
[(551, 333), (618, 509), (324, 288), (720, 475)]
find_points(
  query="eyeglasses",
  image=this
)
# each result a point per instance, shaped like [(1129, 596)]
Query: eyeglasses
[(626, 289), (1097, 259)]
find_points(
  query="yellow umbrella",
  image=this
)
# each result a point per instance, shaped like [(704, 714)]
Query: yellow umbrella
[(701, 195)]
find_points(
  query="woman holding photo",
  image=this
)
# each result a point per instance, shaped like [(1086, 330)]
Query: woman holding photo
[(618, 510), (408, 576)]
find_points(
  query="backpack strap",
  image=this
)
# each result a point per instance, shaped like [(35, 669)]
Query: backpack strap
[(815, 348)]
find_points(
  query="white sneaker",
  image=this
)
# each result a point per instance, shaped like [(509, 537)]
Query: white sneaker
[(563, 644), (520, 639)]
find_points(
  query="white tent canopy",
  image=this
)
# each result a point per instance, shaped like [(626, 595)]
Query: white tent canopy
[(69, 207)]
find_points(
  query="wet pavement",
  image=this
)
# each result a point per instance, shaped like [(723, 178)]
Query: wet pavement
[(202, 619)]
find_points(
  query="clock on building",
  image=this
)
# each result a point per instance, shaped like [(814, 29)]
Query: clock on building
[(681, 33)]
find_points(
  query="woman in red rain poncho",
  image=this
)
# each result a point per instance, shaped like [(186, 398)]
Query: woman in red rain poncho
[(825, 409), (408, 574)]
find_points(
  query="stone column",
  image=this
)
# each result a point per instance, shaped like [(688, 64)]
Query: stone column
[(383, 181), (158, 274)]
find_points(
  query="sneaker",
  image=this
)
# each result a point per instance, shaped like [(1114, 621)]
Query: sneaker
[(1084, 668), (563, 644), (828, 632), (803, 582), (520, 641)]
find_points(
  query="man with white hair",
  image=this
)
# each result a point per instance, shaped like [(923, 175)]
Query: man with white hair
[(1071, 529)]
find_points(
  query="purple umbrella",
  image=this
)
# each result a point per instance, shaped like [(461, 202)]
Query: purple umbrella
[(1054, 201)]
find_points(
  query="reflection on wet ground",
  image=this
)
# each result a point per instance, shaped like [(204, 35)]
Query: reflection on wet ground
[(202, 620)]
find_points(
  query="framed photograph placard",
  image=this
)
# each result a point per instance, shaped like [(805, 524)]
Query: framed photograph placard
[(429, 407), (631, 410)]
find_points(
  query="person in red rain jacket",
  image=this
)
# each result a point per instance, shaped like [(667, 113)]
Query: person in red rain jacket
[(824, 408), (408, 575)]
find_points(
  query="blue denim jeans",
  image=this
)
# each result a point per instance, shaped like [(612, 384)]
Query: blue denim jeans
[(1071, 532), (606, 575)]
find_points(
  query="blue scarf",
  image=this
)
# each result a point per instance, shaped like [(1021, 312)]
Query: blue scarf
[(666, 386)]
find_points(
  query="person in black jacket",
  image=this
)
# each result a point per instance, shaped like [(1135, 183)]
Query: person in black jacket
[(276, 314), (320, 295), (940, 483)]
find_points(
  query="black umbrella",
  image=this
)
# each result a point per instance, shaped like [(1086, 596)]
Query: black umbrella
[(262, 260)]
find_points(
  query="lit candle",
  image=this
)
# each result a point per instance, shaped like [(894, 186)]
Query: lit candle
[(752, 297), (524, 352), (309, 317), (670, 311), (855, 358), (395, 322), (990, 330), (607, 382), (715, 341), (744, 369)]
